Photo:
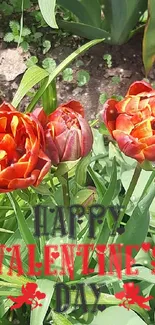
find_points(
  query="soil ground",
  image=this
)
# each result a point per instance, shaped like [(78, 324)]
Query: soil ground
[(126, 64)]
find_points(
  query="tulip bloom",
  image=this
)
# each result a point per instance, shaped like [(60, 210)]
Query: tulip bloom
[(22, 158), (131, 121), (68, 135)]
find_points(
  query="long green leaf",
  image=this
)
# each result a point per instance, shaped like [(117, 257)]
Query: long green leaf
[(14, 279), (149, 39), (38, 314), (60, 319), (77, 8), (31, 77), (139, 220), (85, 30), (47, 8), (94, 11), (59, 69), (22, 224), (122, 16)]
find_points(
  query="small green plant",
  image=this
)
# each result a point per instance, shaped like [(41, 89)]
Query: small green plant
[(108, 59), (79, 63), (17, 35), (116, 79), (46, 46), (103, 97), (31, 61), (67, 75), (49, 64), (83, 78)]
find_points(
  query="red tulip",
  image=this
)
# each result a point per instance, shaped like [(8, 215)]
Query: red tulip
[(68, 135), (131, 121), (22, 158)]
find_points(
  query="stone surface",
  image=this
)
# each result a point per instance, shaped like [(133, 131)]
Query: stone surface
[(12, 63)]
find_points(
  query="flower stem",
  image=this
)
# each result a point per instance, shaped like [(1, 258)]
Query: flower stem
[(126, 200), (65, 189)]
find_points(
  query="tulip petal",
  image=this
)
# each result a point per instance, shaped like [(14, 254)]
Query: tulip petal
[(43, 172), (51, 148), (138, 87), (3, 154), (129, 145), (86, 137), (148, 141), (149, 153), (142, 130), (6, 107), (72, 149), (109, 114), (129, 105), (14, 124), (33, 158), (3, 124), (21, 182), (75, 106), (16, 170), (123, 123), (40, 115)]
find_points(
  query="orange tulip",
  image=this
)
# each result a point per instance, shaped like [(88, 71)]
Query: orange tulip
[(131, 121), (22, 158)]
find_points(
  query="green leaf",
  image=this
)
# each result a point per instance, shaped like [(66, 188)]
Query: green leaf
[(79, 63), (49, 98), (8, 37), (139, 220), (6, 8), (38, 314), (84, 197), (25, 46), (18, 39), (122, 317), (31, 77), (59, 69), (109, 194), (26, 31), (67, 74), (81, 170), (47, 8), (31, 61), (83, 30), (22, 224), (103, 98), (15, 27), (83, 77), (149, 40), (122, 16), (59, 319), (47, 46), (49, 64), (78, 9), (65, 167), (94, 11), (116, 80)]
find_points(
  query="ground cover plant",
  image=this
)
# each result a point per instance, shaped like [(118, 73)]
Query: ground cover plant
[(77, 194)]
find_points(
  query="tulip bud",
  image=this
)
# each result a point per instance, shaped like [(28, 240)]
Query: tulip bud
[(67, 133)]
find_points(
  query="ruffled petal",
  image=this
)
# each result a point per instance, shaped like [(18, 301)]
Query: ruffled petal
[(149, 153), (75, 106), (142, 130), (124, 123), (138, 87), (6, 107), (109, 114), (129, 145)]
